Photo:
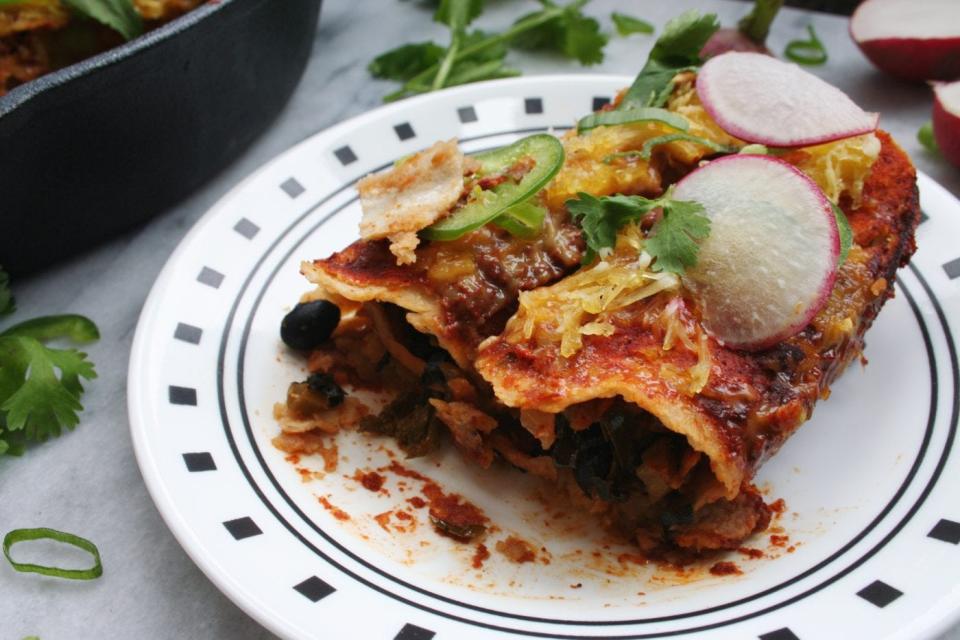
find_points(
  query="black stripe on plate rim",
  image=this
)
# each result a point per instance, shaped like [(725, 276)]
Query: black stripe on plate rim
[(337, 565)]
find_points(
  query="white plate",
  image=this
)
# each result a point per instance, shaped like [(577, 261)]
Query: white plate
[(869, 482)]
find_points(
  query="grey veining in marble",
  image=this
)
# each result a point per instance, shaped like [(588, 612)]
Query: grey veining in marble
[(88, 481)]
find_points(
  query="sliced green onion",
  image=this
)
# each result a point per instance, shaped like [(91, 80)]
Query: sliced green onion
[(846, 233), (524, 220), (42, 533), (649, 145), (647, 150), (632, 116), (925, 137), (807, 52)]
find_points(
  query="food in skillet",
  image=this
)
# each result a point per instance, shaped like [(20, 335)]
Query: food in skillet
[(40, 36), (640, 312)]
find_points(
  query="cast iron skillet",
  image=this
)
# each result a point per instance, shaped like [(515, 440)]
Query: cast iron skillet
[(99, 147)]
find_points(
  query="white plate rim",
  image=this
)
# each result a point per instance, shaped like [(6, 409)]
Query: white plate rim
[(932, 622)]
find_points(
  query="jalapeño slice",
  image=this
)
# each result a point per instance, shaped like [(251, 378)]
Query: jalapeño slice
[(547, 155)]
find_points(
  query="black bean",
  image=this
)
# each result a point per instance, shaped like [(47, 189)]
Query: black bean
[(310, 324)]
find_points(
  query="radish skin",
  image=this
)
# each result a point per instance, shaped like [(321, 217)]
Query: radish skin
[(761, 99), (915, 41), (946, 119), (770, 261), (751, 32)]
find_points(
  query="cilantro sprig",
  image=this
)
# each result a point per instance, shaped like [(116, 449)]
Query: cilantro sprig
[(40, 386), (676, 50), (474, 55), (672, 241)]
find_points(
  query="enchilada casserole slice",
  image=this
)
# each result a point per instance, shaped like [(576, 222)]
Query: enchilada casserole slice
[(474, 302)]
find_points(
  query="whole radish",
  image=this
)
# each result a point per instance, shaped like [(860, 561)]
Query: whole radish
[(913, 40), (946, 119), (750, 34)]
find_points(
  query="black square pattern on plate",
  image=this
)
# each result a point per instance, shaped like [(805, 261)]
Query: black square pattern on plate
[(467, 114), (188, 333), (200, 461), (779, 634), (533, 105), (183, 395), (314, 589), (413, 632), (879, 593), (210, 277), (923, 216), (404, 131), (345, 155), (246, 228), (242, 528), (953, 269), (291, 187), (599, 102), (947, 531)]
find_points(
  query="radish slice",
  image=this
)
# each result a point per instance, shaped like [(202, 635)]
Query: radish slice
[(758, 98), (770, 261), (946, 119), (914, 40)]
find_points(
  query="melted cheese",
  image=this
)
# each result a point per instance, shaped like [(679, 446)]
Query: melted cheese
[(841, 167), (581, 304)]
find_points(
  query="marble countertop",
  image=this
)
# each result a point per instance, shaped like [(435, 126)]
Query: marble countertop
[(88, 481)]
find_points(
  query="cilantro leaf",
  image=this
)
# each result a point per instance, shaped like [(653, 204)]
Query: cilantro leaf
[(601, 218), (677, 49), (672, 241), (40, 387), (405, 61), (568, 32), (7, 305), (627, 25), (457, 14), (119, 15), (79, 329), (673, 237)]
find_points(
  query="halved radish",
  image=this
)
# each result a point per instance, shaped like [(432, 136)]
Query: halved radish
[(758, 98), (770, 261), (914, 40), (946, 119)]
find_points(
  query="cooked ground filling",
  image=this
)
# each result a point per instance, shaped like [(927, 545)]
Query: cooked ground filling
[(40, 36), (571, 353), (611, 456)]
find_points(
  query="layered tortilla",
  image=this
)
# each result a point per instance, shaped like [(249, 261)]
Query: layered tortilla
[(635, 411)]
